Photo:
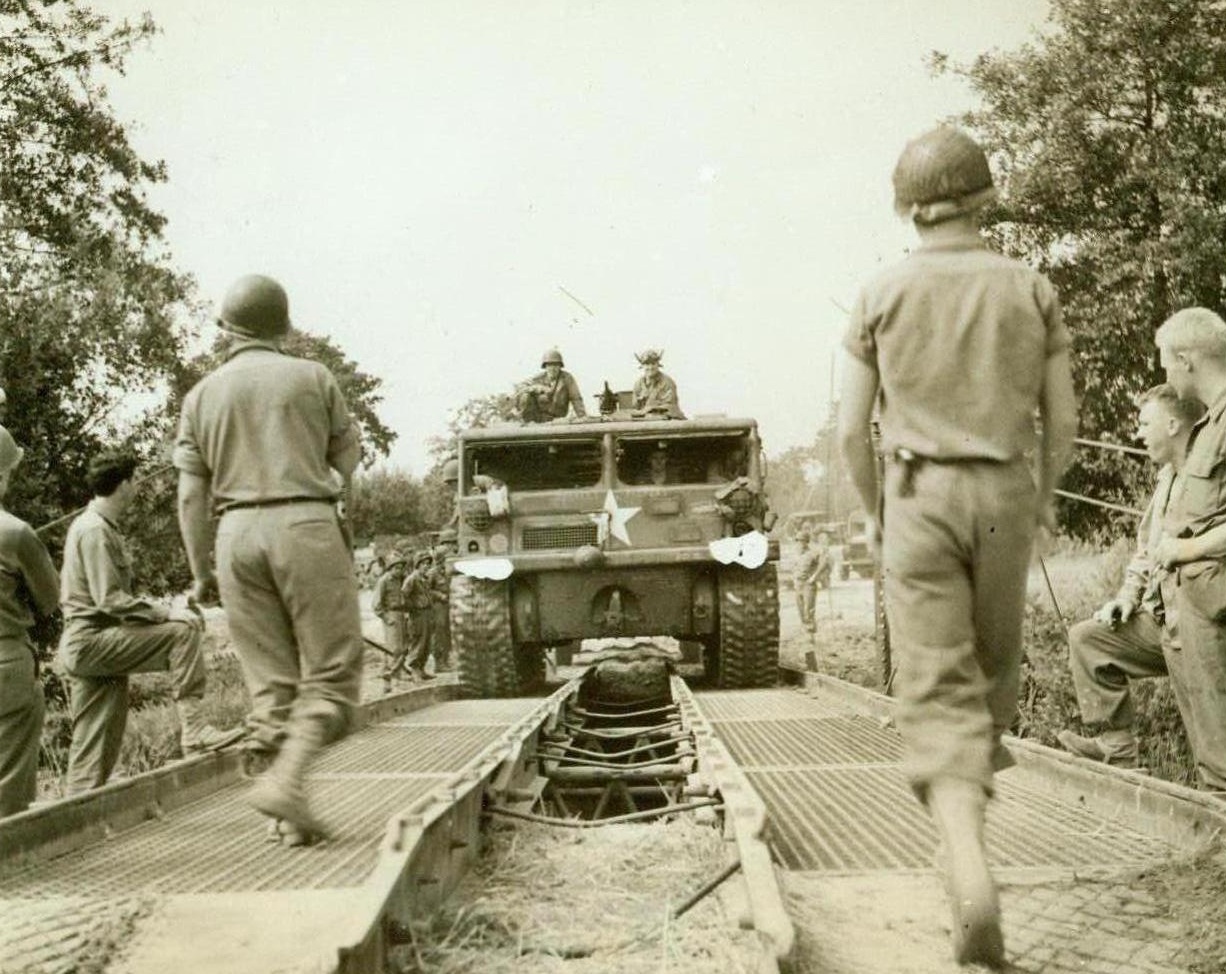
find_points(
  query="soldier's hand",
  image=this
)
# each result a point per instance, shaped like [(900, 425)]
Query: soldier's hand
[(1114, 612), (204, 593), (1171, 552), (1047, 515)]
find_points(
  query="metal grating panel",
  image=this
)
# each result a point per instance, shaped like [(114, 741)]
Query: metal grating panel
[(558, 536), (796, 743), (766, 705), (425, 749), (856, 819), (218, 845), (474, 713)]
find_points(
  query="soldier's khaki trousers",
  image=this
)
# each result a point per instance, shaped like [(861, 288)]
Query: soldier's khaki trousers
[(1198, 679), (291, 600), (955, 557), (1103, 659), (97, 662), (21, 725)]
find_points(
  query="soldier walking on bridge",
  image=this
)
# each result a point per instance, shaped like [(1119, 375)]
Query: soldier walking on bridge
[(29, 589), (263, 435), (959, 347)]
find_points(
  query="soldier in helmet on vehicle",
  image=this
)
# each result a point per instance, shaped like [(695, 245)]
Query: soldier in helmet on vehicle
[(259, 441), (655, 392), (960, 347), (550, 394)]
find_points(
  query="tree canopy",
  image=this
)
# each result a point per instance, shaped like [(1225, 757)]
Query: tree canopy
[(88, 298), (1109, 133)]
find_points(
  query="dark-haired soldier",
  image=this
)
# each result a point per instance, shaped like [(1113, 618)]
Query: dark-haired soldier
[(29, 587), (110, 633), (261, 438)]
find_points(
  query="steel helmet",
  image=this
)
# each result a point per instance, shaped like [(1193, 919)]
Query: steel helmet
[(941, 174), (551, 357), (451, 470), (10, 452), (255, 307)]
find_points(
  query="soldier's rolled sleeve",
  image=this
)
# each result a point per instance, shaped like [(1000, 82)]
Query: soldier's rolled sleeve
[(1058, 338), (859, 339), (187, 456)]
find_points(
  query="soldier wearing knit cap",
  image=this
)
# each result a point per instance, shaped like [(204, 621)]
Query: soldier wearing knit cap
[(959, 348), (655, 392)]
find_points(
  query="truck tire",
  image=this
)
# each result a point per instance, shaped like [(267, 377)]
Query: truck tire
[(748, 627), (481, 638)]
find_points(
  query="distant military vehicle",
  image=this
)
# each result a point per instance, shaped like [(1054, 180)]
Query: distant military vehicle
[(618, 525)]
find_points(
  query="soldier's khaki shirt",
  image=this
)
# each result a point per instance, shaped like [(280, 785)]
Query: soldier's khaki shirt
[(96, 582), (1141, 582), (1198, 501), (264, 426), (28, 579), (960, 337)]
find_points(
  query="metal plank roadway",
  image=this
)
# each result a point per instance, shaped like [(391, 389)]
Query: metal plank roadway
[(859, 849), (53, 910)]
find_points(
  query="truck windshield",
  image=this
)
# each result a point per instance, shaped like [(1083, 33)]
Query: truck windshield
[(712, 459), (536, 465)]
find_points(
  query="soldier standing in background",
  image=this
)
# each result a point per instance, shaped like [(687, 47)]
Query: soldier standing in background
[(440, 589), (1192, 346), (387, 602), (655, 392), (110, 633), (419, 601), (29, 588), (262, 435), (806, 562), (1133, 634), (959, 347), (550, 394)]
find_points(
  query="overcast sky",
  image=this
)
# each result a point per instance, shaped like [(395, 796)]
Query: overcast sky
[(429, 178)]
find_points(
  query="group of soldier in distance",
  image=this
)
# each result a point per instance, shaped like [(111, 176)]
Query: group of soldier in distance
[(953, 351)]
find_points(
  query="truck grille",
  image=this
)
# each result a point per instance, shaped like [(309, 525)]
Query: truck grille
[(558, 536)]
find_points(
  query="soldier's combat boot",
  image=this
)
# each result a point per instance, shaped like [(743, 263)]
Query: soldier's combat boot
[(281, 792), (958, 808), (196, 736), (1116, 747)]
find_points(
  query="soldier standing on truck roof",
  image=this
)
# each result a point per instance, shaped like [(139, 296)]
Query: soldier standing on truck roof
[(29, 588), (550, 394), (419, 601), (655, 392), (959, 347), (262, 435), (387, 602)]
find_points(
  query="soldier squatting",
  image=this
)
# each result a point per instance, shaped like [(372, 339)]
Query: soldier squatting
[(955, 348)]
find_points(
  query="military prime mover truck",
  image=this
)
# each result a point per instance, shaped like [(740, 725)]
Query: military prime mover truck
[(612, 526)]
